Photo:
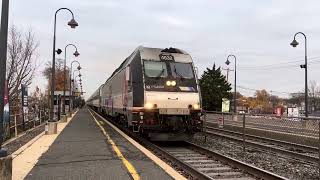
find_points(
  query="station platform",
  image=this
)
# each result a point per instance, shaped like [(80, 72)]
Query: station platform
[(86, 148)]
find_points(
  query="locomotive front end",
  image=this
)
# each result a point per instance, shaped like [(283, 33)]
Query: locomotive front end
[(172, 103)]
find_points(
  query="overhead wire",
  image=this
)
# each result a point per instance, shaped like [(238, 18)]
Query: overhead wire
[(271, 91), (313, 60)]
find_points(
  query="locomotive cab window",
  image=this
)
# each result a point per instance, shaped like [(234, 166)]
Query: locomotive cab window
[(182, 70), (155, 69)]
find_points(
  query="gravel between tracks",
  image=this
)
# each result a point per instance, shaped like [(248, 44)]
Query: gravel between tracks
[(20, 141), (286, 167)]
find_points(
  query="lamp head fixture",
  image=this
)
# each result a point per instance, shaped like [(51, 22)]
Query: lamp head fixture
[(294, 43), (76, 53), (227, 62), (73, 23), (58, 51)]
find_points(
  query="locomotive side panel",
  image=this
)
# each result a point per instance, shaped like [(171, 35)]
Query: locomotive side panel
[(137, 81)]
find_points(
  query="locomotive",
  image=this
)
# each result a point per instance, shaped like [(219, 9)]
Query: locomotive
[(154, 92)]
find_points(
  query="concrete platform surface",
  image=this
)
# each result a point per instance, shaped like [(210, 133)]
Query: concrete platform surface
[(81, 151)]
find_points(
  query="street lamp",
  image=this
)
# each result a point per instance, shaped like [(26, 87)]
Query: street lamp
[(70, 93), (3, 59), (73, 24), (79, 81), (76, 54), (73, 78), (295, 43), (235, 81), (75, 89), (74, 72)]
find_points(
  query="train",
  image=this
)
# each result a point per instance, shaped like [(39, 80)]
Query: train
[(154, 92)]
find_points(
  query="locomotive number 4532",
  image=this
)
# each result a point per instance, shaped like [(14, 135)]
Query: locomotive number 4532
[(166, 57)]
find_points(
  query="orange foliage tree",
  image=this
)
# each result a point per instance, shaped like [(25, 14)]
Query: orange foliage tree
[(59, 75)]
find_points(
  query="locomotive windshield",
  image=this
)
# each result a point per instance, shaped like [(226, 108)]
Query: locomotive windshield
[(155, 69), (158, 73), (182, 70)]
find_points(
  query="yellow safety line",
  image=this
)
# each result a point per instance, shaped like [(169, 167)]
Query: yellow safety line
[(128, 165)]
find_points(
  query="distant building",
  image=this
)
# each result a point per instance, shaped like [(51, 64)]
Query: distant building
[(297, 94)]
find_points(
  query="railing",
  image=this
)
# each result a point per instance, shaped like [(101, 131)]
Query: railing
[(301, 128), (17, 126), (254, 129)]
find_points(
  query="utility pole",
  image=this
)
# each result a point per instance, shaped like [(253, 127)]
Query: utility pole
[(235, 81), (228, 70), (3, 60)]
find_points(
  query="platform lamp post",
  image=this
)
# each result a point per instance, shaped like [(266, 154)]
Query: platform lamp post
[(70, 93), (73, 24), (235, 81), (79, 81), (3, 60), (73, 81), (78, 88), (76, 54), (295, 43), (73, 78)]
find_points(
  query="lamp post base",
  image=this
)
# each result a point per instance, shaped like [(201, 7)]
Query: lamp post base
[(64, 118), (51, 128), (6, 167), (70, 114)]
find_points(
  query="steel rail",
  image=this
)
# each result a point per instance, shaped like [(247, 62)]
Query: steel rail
[(269, 140), (270, 148), (255, 171)]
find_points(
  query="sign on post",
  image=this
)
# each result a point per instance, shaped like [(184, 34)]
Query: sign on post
[(24, 98), (225, 105), (293, 113), (6, 112)]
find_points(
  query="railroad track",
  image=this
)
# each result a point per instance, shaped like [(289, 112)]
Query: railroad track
[(297, 151), (201, 163), (206, 164)]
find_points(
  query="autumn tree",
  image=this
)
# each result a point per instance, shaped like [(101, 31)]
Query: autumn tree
[(262, 101), (214, 87), (59, 75), (21, 62)]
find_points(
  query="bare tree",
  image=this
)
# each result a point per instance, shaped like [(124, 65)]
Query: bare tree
[(314, 95), (21, 63)]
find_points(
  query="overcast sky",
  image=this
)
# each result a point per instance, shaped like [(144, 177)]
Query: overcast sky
[(257, 32)]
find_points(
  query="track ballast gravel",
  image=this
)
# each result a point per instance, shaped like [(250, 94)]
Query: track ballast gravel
[(273, 162)]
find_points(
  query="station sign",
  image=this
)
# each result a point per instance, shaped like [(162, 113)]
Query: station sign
[(24, 101)]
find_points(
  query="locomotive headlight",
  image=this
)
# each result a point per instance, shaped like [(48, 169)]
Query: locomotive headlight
[(148, 106), (171, 83), (196, 106)]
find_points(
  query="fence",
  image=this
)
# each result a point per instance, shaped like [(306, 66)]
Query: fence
[(297, 132), (17, 125)]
